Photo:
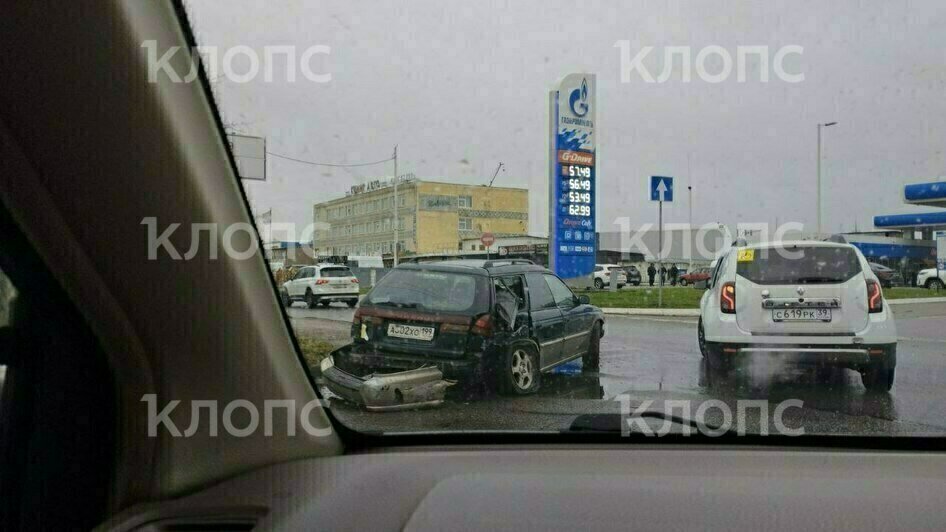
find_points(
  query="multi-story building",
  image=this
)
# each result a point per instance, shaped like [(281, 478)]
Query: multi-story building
[(434, 217)]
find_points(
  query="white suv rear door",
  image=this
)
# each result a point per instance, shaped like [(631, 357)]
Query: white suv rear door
[(799, 289), (338, 280)]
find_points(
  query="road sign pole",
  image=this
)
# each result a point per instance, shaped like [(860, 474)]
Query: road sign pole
[(660, 252)]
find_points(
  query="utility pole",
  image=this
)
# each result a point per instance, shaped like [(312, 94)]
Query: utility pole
[(690, 206), (819, 173), (396, 217)]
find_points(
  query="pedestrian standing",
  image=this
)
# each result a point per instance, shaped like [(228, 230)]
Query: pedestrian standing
[(674, 271), (651, 272)]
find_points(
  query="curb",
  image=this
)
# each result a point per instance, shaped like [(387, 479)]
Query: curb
[(674, 312), (693, 312), (913, 300)]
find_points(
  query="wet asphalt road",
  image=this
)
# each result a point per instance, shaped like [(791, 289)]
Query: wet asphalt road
[(657, 359)]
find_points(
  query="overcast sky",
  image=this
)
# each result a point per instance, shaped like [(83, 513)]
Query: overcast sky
[(461, 86)]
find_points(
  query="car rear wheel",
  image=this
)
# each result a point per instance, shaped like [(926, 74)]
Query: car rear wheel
[(520, 373), (591, 361), (310, 299), (324, 303), (352, 303), (683, 282), (878, 379), (599, 284), (701, 337), (934, 284)]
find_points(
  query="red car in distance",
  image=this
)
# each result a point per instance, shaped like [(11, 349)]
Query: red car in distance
[(698, 275)]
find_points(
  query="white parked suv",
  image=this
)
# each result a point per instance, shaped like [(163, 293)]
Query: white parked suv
[(799, 303), (928, 279), (603, 273), (320, 285)]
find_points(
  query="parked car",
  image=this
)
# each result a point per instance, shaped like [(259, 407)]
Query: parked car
[(633, 275), (804, 303), (699, 275), (501, 323), (887, 276), (320, 285), (930, 278), (602, 275)]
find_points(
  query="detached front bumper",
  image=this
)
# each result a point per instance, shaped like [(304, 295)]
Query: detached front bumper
[(403, 390)]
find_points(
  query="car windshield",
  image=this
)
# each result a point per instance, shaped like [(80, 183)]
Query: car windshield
[(800, 265), (553, 210)]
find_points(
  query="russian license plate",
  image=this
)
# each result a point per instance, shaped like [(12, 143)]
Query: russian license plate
[(801, 314), (411, 332)]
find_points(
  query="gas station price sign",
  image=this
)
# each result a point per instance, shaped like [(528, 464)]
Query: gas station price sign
[(575, 205)]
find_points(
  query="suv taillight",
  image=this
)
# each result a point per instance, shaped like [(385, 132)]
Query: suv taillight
[(875, 297), (483, 326), (727, 298), (321, 281)]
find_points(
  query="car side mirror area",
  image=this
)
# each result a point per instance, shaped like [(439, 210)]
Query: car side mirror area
[(583, 300)]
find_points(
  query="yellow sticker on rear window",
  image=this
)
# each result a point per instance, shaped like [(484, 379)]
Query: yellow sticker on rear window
[(746, 255)]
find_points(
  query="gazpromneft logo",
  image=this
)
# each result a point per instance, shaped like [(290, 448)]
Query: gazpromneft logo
[(576, 157)]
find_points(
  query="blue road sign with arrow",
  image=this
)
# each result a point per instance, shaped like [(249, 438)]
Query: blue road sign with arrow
[(661, 188)]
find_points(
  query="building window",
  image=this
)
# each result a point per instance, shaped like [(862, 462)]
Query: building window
[(466, 224), (465, 202), (387, 224)]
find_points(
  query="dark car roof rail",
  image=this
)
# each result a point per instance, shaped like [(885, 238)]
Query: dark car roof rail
[(506, 262)]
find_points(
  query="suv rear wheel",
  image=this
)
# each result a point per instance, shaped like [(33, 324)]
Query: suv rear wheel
[(519, 374), (599, 284), (934, 284), (878, 379), (310, 299)]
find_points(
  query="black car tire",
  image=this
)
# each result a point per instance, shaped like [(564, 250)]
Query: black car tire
[(310, 299), (352, 303), (591, 360), (637, 283), (683, 282), (284, 299), (878, 379), (324, 303), (934, 284), (599, 284), (701, 337), (519, 371)]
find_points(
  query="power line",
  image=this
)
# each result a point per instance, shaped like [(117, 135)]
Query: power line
[(328, 164)]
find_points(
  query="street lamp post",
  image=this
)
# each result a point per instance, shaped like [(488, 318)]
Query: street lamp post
[(690, 207), (396, 217), (818, 193)]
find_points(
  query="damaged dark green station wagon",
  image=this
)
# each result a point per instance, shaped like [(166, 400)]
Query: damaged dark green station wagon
[(494, 324)]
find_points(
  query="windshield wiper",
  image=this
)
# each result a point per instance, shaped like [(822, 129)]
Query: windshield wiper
[(814, 280), (396, 304)]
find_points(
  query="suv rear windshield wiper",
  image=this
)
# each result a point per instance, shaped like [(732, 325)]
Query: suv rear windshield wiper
[(814, 280), (397, 304)]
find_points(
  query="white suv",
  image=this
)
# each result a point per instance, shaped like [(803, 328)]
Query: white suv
[(928, 279), (320, 285), (802, 303), (603, 273)]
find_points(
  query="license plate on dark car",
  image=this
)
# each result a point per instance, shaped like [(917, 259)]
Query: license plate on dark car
[(411, 332)]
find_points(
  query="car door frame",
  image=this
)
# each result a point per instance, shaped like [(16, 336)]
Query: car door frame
[(546, 322), (578, 319)]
